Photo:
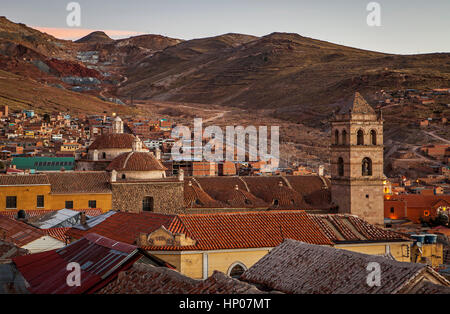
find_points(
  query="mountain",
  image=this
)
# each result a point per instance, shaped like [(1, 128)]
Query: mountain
[(95, 37), (280, 70)]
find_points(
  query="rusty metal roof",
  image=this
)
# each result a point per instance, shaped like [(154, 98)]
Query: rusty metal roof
[(100, 259)]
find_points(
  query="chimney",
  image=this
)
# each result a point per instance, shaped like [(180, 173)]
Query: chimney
[(181, 175), (158, 154), (113, 176), (83, 218)]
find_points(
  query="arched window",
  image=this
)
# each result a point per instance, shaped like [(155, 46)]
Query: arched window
[(336, 137), (366, 167), (373, 137), (147, 204), (236, 270), (344, 137), (124, 176), (276, 202), (360, 138), (340, 166), (104, 155)]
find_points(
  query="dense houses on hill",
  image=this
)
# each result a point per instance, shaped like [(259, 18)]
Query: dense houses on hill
[(106, 187)]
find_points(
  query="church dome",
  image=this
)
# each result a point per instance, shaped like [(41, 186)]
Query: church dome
[(113, 140), (136, 161)]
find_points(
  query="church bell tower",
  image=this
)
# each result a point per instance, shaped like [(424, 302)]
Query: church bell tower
[(357, 161)]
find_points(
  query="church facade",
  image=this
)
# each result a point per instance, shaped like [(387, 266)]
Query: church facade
[(357, 161)]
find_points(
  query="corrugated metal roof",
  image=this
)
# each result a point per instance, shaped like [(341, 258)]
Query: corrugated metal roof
[(44, 163), (59, 218), (99, 258)]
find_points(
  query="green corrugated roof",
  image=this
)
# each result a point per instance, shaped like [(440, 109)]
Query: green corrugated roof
[(44, 163)]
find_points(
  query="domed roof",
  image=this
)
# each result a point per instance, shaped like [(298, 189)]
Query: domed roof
[(136, 161), (113, 140)]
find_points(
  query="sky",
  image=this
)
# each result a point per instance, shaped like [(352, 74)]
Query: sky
[(406, 26)]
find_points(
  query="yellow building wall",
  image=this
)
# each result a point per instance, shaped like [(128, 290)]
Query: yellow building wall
[(81, 201), (400, 251), (191, 264), (222, 261), (27, 198), (431, 254), (173, 259)]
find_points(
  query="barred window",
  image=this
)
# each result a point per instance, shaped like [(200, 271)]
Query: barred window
[(147, 203), (40, 201), (11, 202)]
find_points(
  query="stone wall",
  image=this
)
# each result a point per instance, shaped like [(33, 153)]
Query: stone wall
[(168, 197)]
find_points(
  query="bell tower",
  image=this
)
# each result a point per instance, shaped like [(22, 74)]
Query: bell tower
[(357, 161)]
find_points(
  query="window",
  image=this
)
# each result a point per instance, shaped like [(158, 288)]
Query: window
[(336, 137), (104, 155), (340, 166), (392, 210), (124, 176), (360, 138), (236, 270), (92, 204), (11, 202), (276, 202), (40, 201), (69, 204), (373, 137), (147, 204), (366, 167), (344, 137)]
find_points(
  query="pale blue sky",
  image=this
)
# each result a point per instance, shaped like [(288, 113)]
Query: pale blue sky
[(407, 26)]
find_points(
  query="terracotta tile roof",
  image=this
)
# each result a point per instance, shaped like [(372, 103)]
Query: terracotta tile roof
[(247, 230), (148, 279), (275, 192), (27, 179), (29, 213), (194, 197), (57, 233), (426, 287), (35, 213), (18, 232), (113, 140), (126, 227), (136, 161), (79, 182), (219, 283), (341, 228), (214, 231), (297, 267), (289, 192), (421, 201)]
